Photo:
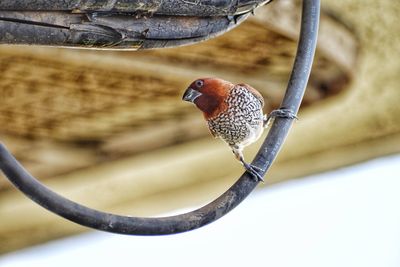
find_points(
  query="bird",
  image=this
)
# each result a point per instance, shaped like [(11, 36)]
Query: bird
[(234, 113)]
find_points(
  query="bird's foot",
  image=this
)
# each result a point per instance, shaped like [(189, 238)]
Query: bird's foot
[(254, 171), (281, 113)]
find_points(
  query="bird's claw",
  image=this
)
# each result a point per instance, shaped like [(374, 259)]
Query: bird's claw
[(254, 171), (281, 113)]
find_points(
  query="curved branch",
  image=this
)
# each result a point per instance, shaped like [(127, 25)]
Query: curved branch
[(209, 213), (162, 7), (119, 25), (110, 31)]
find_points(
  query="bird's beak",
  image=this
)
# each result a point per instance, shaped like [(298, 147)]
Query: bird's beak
[(190, 95)]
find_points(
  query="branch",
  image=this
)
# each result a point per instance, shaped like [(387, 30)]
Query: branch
[(161, 7), (209, 213), (123, 24), (110, 31)]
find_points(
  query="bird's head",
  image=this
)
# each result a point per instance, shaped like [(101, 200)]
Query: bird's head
[(209, 95)]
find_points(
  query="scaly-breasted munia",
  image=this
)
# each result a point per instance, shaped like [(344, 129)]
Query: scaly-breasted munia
[(234, 113)]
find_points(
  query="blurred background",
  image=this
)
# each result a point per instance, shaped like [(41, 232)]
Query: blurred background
[(109, 130)]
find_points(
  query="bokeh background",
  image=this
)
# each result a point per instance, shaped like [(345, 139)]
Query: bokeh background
[(108, 130)]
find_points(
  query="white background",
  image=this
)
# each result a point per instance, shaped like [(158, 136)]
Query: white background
[(347, 217)]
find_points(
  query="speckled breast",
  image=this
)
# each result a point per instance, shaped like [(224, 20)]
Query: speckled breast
[(242, 120)]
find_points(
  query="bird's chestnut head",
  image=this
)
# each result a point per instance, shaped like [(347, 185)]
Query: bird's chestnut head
[(209, 95)]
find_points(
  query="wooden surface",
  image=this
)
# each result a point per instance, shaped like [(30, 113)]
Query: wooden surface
[(92, 124)]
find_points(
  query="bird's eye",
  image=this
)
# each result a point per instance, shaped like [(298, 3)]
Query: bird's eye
[(199, 83)]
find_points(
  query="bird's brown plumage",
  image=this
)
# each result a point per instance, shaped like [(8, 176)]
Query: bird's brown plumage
[(214, 92), (233, 112)]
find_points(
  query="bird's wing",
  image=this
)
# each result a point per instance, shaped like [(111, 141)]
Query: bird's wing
[(254, 92)]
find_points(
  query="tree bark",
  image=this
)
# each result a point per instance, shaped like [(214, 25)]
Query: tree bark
[(109, 31), (127, 24), (167, 7)]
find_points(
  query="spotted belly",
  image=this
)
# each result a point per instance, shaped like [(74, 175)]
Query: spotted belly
[(242, 122), (236, 130)]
